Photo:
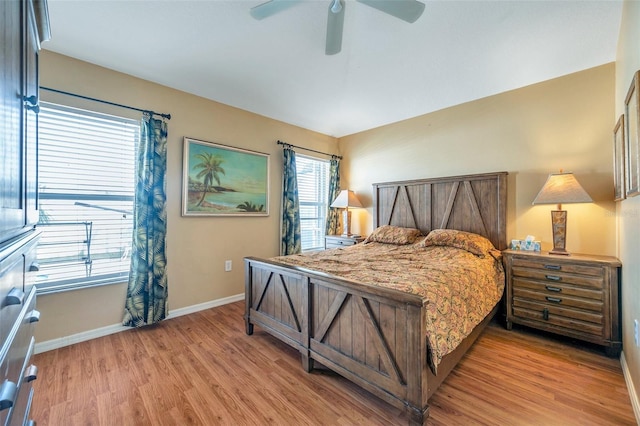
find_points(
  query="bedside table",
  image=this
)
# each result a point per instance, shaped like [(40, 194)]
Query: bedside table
[(576, 296), (335, 241)]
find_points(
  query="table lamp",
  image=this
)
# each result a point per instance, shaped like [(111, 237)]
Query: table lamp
[(344, 200), (561, 188)]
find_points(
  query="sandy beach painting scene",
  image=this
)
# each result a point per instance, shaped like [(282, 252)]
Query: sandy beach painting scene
[(220, 180)]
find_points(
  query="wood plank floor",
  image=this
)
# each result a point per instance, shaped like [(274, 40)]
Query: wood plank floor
[(202, 369)]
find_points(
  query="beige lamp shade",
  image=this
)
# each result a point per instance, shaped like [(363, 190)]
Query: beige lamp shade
[(561, 188), (344, 200)]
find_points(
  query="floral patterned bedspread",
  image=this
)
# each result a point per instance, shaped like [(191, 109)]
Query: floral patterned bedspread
[(460, 288)]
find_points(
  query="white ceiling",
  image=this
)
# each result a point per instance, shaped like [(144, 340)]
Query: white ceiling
[(388, 70)]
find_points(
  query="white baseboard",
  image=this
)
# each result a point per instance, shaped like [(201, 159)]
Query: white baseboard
[(116, 328), (635, 402)]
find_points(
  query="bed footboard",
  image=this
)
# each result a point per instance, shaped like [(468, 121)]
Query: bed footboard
[(373, 336), (277, 299)]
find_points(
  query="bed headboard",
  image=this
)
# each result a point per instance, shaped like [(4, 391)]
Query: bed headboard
[(473, 203)]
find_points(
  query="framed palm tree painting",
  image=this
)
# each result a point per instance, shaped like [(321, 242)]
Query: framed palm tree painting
[(220, 180)]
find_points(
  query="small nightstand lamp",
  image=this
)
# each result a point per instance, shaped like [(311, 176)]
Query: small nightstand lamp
[(561, 188), (344, 200)]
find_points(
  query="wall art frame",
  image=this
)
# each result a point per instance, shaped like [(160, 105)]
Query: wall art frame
[(221, 180), (632, 135), (619, 168)]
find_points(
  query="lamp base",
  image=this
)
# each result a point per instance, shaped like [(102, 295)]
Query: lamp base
[(560, 252), (559, 226), (346, 223)]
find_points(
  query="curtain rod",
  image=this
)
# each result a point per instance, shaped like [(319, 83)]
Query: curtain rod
[(339, 157), (167, 116)]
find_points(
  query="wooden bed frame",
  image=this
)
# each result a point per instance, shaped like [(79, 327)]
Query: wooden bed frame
[(375, 336)]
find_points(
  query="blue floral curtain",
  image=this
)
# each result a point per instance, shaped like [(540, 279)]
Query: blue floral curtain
[(333, 215), (146, 301), (291, 242)]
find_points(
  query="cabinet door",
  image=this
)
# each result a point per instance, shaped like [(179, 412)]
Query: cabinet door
[(31, 108), (22, 24), (12, 195)]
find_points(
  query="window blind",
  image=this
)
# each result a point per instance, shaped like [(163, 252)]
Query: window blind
[(313, 191), (86, 183)]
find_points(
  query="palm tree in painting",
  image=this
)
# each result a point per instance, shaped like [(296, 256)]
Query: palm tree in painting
[(211, 170)]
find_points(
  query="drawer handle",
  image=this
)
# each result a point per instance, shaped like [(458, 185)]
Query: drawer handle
[(31, 374), (554, 289), (545, 314), (7, 394), (553, 299), (35, 267), (553, 267), (33, 316), (553, 277), (14, 297)]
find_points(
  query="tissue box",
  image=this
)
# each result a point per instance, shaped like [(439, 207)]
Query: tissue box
[(525, 245)]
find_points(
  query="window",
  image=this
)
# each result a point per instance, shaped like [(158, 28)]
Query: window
[(86, 183), (313, 191)]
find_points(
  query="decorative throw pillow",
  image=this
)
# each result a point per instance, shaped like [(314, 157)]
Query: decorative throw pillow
[(397, 235), (473, 243)]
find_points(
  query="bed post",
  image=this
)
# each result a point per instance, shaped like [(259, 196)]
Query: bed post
[(248, 292), (307, 323), (417, 373)]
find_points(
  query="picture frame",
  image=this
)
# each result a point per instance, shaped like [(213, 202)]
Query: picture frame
[(221, 180), (619, 169), (632, 149)]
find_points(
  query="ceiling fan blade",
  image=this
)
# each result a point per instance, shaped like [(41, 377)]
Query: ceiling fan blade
[(271, 7), (407, 10), (335, 24)]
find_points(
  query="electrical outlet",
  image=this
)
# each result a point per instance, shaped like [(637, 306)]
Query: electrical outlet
[(636, 331), (227, 265)]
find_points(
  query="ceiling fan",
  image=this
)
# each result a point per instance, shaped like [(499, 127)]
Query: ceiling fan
[(407, 10)]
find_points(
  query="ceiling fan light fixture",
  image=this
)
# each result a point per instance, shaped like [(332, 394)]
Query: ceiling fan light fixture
[(335, 23), (336, 6), (407, 10)]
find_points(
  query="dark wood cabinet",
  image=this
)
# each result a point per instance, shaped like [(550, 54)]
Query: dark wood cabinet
[(24, 25), (576, 296)]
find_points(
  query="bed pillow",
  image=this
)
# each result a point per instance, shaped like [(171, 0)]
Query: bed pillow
[(473, 243), (397, 235)]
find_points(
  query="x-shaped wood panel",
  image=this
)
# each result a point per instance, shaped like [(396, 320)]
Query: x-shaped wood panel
[(282, 291), (372, 328)]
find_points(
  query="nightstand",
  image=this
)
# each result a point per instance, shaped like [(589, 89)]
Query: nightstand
[(576, 296), (335, 241)]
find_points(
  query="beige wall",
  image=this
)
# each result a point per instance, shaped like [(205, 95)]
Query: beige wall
[(564, 123), (628, 211), (197, 246)]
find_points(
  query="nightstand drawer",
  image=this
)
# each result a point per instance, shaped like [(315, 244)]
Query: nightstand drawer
[(337, 241), (556, 289), (558, 300), (558, 279), (554, 319), (558, 265), (550, 314)]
